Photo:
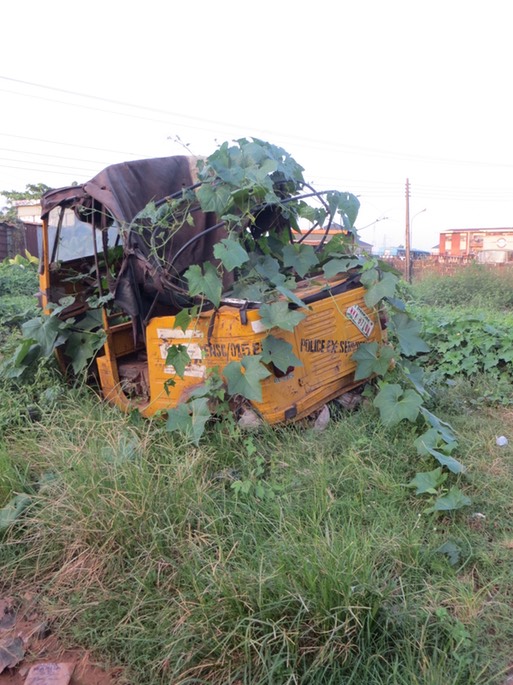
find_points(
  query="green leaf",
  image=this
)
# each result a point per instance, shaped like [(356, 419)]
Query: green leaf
[(408, 331), (397, 304), (300, 257), (184, 317), (372, 359), (338, 266), (63, 303), (430, 439), (82, 346), (452, 551), (450, 462), (415, 375), (215, 197), (254, 292), (444, 428), (433, 439), (259, 491), (190, 418), (244, 377), (383, 288), (279, 352), (47, 331), (428, 481), (369, 275), (396, 404), (231, 253), (279, 315), (178, 357), (22, 354), (347, 204), (92, 319), (13, 510), (290, 295), (205, 282), (453, 500), (269, 268)]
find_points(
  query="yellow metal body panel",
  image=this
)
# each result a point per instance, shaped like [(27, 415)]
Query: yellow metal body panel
[(324, 341)]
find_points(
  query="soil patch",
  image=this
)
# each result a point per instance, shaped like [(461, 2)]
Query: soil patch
[(27, 639)]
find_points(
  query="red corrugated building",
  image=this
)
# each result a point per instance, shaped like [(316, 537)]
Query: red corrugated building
[(469, 242)]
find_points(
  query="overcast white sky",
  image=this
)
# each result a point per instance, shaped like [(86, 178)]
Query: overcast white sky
[(362, 93)]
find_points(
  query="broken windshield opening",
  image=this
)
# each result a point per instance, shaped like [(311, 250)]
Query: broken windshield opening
[(69, 238)]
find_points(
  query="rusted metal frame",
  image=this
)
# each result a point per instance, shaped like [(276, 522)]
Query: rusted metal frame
[(193, 240), (314, 193), (175, 257), (318, 195), (105, 245), (57, 235), (222, 223), (177, 194), (95, 252)]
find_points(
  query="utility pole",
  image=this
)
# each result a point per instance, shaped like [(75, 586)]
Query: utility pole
[(407, 245)]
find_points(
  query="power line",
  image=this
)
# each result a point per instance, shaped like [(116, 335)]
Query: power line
[(308, 142), (59, 166), (88, 107), (48, 156), (47, 171), (117, 102), (76, 145)]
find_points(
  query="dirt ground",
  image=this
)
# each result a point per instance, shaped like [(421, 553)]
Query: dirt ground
[(26, 639)]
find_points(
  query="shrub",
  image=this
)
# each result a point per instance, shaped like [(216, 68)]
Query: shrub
[(18, 280), (476, 285)]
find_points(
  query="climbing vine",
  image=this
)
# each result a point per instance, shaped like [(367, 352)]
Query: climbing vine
[(247, 180), (259, 197)]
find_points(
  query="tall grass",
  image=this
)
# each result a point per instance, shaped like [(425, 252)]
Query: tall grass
[(145, 553), (474, 286), (141, 550)]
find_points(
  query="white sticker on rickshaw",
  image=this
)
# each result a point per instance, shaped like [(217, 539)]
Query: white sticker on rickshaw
[(360, 319)]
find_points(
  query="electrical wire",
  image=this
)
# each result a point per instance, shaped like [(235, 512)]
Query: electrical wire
[(305, 141)]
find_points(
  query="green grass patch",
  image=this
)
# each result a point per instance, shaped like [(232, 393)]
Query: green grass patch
[(473, 286), (270, 558), (147, 554), (18, 280)]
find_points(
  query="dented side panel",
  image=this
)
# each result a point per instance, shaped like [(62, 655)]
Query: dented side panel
[(324, 341)]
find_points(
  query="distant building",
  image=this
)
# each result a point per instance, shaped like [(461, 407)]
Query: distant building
[(28, 211), (469, 242), (314, 237)]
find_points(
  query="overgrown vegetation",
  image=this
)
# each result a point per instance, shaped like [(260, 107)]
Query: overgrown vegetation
[(33, 191), (476, 286), (259, 197), (21, 401), (141, 549), (18, 287)]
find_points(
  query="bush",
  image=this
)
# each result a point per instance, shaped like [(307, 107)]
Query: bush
[(18, 280), (467, 341), (476, 285)]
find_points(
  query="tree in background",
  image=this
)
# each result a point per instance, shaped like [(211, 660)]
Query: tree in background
[(33, 191)]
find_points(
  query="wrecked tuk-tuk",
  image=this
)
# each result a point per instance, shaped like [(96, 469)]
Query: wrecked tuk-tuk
[(197, 267)]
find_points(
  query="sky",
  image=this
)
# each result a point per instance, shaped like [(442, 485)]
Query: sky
[(364, 94)]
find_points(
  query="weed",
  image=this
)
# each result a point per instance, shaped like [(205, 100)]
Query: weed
[(147, 553), (143, 550), (477, 287)]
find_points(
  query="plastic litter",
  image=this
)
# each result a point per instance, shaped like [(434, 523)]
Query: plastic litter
[(501, 441)]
